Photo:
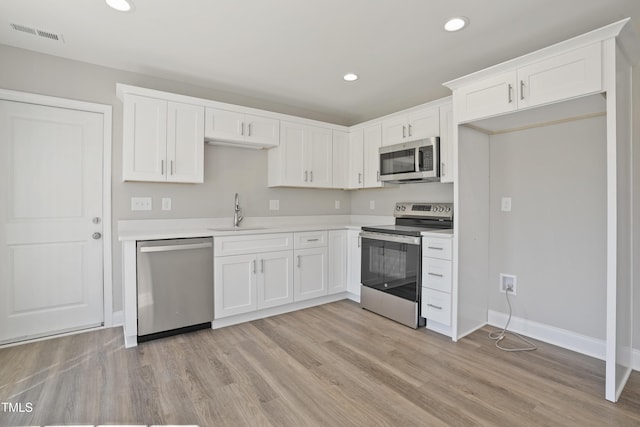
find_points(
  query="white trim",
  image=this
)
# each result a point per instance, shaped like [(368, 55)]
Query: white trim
[(117, 319), (635, 359), (550, 334), (107, 112), (594, 36)]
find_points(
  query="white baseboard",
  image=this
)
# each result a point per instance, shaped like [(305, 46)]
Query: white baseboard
[(635, 359), (117, 319), (561, 337)]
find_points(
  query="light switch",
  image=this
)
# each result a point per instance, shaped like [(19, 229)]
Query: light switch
[(166, 203), (141, 204), (506, 204)]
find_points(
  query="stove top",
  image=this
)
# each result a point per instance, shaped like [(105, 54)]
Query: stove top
[(414, 218)]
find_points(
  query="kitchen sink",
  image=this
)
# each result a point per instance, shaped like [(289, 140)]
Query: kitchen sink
[(237, 228)]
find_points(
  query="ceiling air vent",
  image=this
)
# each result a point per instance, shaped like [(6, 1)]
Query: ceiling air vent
[(37, 32)]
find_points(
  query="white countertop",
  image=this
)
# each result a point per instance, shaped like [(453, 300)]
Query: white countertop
[(131, 230)]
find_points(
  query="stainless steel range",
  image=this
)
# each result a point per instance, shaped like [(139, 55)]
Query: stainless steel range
[(392, 260)]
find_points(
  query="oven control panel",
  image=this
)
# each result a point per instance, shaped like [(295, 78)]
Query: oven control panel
[(423, 210)]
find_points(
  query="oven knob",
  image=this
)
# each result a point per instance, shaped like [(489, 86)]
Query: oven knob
[(398, 207), (404, 208), (448, 209)]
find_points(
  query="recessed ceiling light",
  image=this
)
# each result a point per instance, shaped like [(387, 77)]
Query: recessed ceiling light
[(350, 77), (120, 5), (456, 24)]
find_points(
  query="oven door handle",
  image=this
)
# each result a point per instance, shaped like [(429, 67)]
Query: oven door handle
[(396, 238)]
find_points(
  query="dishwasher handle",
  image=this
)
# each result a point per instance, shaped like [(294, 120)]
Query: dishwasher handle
[(169, 248)]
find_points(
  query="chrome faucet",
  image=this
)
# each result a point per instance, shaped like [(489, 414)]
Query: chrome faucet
[(237, 219)]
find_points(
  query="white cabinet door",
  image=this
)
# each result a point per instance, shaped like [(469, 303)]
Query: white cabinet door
[(275, 279), (372, 144), (340, 159), (492, 96), (354, 257), (144, 138), (356, 160), (223, 125), (565, 76), (310, 273), (423, 124), (261, 131), (394, 130), (337, 261), (234, 285), (294, 167), (185, 143), (446, 143), (321, 157)]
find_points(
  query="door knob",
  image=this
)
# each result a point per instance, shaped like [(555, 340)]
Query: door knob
[(96, 235)]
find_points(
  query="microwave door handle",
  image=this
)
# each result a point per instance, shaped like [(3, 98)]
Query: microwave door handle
[(418, 160)]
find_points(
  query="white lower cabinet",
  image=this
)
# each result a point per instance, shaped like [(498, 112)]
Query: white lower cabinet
[(354, 259), (252, 272), (310, 272), (337, 263), (437, 269)]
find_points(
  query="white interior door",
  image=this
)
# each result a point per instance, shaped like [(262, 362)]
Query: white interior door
[(51, 261)]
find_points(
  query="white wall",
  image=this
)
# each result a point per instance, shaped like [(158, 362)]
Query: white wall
[(554, 239), (244, 171), (385, 198)]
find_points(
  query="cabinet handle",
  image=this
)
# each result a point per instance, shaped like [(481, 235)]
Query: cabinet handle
[(298, 262), (409, 130), (311, 176), (404, 130), (171, 167), (359, 177), (378, 175), (254, 266), (161, 167), (249, 128), (435, 247), (262, 266), (434, 306), (510, 93), (242, 128), (521, 89), (442, 169), (306, 176), (435, 274), (313, 240)]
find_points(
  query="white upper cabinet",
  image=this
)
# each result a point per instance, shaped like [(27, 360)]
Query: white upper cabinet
[(341, 159), (418, 124), (244, 129), (446, 143), (356, 160), (372, 143), (162, 140), (304, 157), (563, 76)]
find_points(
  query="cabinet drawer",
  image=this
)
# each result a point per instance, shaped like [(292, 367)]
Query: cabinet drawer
[(436, 274), (434, 247), (252, 243), (310, 239), (436, 306)]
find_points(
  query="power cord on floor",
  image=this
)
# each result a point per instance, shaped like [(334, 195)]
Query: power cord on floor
[(499, 336)]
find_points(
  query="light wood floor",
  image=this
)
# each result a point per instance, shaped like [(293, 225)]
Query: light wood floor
[(333, 365)]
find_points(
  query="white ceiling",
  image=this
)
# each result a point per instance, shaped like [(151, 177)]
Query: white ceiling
[(295, 52)]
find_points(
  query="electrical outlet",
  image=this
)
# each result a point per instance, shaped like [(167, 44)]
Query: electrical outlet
[(166, 203), (141, 204), (505, 204), (508, 282), (372, 204), (337, 204), (274, 205)]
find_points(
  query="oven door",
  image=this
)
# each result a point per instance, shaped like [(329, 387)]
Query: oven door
[(391, 264)]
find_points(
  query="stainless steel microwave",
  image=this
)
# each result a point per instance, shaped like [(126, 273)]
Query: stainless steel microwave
[(416, 161)]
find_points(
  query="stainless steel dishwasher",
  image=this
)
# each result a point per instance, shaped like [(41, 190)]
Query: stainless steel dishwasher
[(175, 286)]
